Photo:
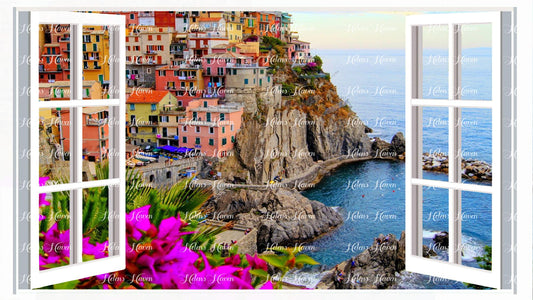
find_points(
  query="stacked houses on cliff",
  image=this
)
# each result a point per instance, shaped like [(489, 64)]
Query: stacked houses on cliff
[(186, 73)]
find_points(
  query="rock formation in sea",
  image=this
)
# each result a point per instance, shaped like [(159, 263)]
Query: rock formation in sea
[(377, 267), (282, 217)]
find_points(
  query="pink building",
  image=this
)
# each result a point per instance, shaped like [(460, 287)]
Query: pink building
[(210, 127)]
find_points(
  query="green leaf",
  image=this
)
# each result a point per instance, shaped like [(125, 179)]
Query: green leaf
[(259, 273), (69, 285), (304, 259), (276, 261)]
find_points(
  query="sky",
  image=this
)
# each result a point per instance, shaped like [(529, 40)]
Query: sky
[(349, 30)]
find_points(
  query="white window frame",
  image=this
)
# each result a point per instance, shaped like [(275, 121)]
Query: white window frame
[(503, 139), (116, 259)]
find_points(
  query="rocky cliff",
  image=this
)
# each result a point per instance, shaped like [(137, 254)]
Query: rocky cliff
[(286, 141), (282, 217)]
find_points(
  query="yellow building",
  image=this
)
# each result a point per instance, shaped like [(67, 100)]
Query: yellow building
[(143, 109), (234, 31), (95, 54)]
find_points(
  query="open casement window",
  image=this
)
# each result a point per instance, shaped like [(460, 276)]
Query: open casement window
[(459, 187), (77, 128)]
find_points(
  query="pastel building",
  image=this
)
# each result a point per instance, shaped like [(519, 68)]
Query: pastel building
[(302, 50), (147, 48), (167, 131), (95, 131), (184, 81), (214, 66), (210, 127), (143, 109), (243, 76), (201, 43)]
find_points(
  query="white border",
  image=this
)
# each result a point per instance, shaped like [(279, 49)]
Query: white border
[(524, 70)]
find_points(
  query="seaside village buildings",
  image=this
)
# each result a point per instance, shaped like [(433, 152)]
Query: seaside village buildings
[(189, 76)]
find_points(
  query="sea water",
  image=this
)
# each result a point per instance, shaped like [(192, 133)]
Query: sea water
[(370, 195)]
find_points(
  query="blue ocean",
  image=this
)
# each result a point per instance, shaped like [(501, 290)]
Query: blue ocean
[(370, 195)]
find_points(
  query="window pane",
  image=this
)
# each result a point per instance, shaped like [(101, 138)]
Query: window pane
[(476, 227), (435, 222), (54, 225), (435, 143), (435, 62), (54, 145), (476, 145), (96, 58), (54, 62), (95, 223), (476, 62), (96, 143)]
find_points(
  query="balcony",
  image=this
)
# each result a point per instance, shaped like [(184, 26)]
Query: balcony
[(187, 77), (96, 122), (176, 52), (144, 14), (234, 65), (170, 88), (92, 68), (64, 39), (150, 52)]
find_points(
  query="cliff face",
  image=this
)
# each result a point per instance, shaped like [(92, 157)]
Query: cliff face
[(286, 141), (282, 217)]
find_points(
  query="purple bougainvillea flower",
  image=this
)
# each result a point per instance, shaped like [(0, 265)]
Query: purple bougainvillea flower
[(42, 201), (98, 250), (55, 246), (138, 220), (41, 217), (220, 277), (256, 262), (267, 286), (166, 262), (169, 229), (234, 260)]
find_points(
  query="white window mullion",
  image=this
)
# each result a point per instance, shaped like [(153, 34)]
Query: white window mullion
[(76, 136), (454, 144), (413, 117)]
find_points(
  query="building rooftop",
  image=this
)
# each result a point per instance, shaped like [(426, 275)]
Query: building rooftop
[(94, 110), (65, 83), (152, 96)]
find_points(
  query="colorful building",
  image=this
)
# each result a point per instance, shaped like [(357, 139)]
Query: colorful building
[(167, 131), (185, 81), (210, 127), (147, 48), (234, 31), (214, 66), (245, 76), (143, 109), (165, 19), (96, 54), (201, 43), (95, 132)]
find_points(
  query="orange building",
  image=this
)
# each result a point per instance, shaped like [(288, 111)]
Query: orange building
[(95, 131)]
